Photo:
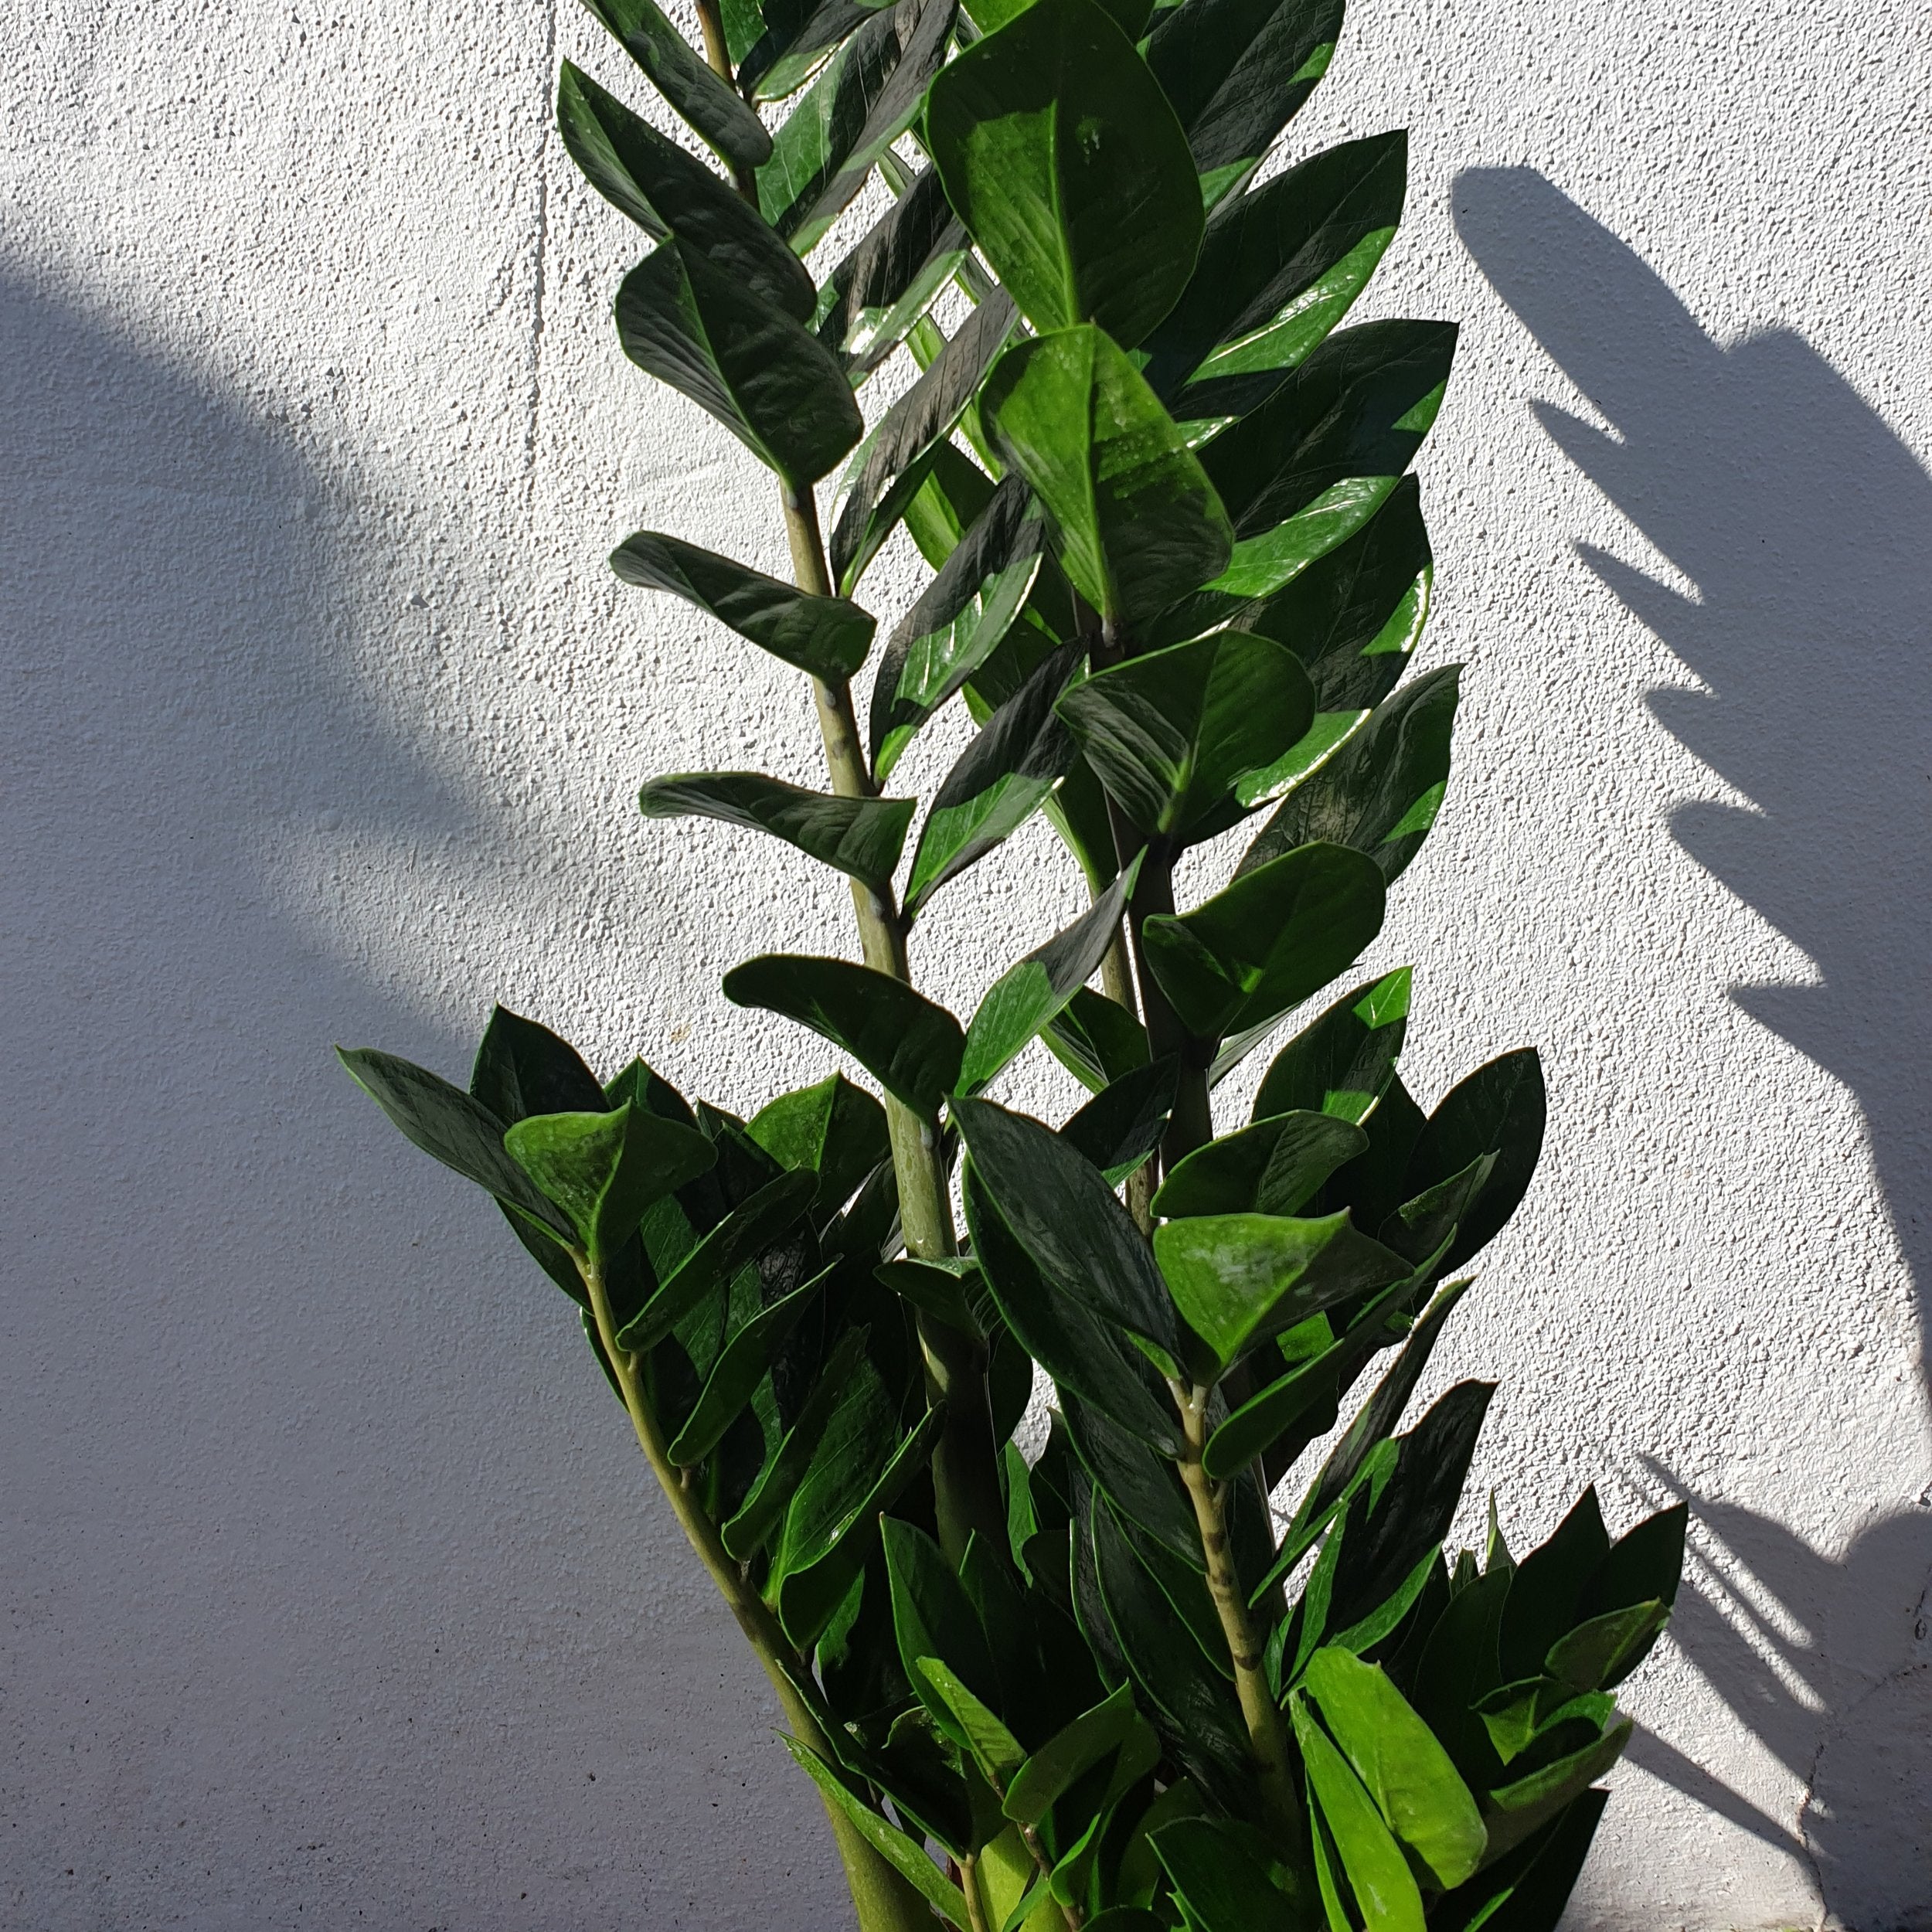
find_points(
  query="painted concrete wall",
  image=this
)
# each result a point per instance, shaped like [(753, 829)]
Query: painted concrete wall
[(331, 1596)]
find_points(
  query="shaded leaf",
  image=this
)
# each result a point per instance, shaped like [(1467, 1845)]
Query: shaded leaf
[(1273, 1167), (834, 1130), (1123, 1124), (747, 1359), (1342, 1063), (1498, 1109), (1098, 1040), (859, 836)]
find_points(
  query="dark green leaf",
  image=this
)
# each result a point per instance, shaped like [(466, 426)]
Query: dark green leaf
[(910, 1046), (742, 1236), (1359, 406), (1381, 791), (1378, 1874), (1643, 1566), (1000, 780), (1098, 1040), (863, 837), (933, 1617), (1225, 1877), (883, 474), (603, 1169), (797, 40), (1069, 1754), (826, 636), (1498, 1109), (1343, 1063), (1139, 524), (1601, 1651), (706, 102), (891, 276), (1061, 1210), (753, 368), (448, 1124), (1523, 1807), (1062, 158), (1420, 1229), (835, 1129), (1239, 1278), (1026, 996), (957, 622), (953, 497), (666, 192), (522, 1068), (1123, 1124), (747, 1359), (1268, 940), (1141, 1483), (1237, 72), (1078, 1350), (1527, 1889), (1273, 1167), (1548, 1586), (996, 1750), (1172, 733), (1280, 267)]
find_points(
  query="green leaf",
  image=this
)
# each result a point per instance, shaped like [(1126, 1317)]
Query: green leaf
[(746, 1362), (1026, 996), (1280, 267), (1222, 1876), (1359, 406), (885, 473), (1499, 1110), (1123, 1124), (1061, 1210), (706, 102), (1140, 1482), (522, 1068), (1172, 733), (955, 494), (447, 1123), (603, 1169), (892, 275), (1273, 1168), (1268, 940), (1051, 1770), (910, 1046), (735, 355), (904, 1855), (1523, 1807), (999, 781), (1098, 1040), (1600, 1652), (957, 622), (1062, 158), (933, 1617), (1528, 1889), (1415, 1786), (666, 192), (828, 637), (1080, 1352), (1643, 1565), (1380, 793), (1341, 1064), (1139, 523), (740, 1237), (1238, 71), (834, 1130), (996, 1750), (798, 40), (863, 837), (1385, 1889), (1240, 1278), (864, 101), (1547, 1586)]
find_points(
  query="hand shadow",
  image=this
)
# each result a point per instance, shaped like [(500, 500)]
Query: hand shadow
[(1805, 526)]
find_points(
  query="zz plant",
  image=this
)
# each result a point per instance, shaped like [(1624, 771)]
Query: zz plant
[(1178, 572)]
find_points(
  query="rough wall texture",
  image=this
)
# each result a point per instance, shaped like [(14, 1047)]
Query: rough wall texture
[(331, 1596)]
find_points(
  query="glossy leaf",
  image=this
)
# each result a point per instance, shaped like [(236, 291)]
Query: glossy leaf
[(890, 278), (1378, 1875), (1643, 1565), (1123, 1124), (997, 1752), (1061, 1210), (933, 1617), (1062, 156), (1237, 72), (522, 1068), (1359, 406), (1525, 1805), (668, 192), (740, 1238), (1380, 792), (859, 836), (834, 1130), (1001, 779), (1171, 732), (885, 472), (1139, 525), (1268, 940), (1026, 996), (604, 1169), (1342, 1063), (1549, 1585), (910, 1046), (1527, 1889), (1273, 1167), (828, 637), (958, 622), (1140, 1482), (1499, 1110), (1050, 1771), (707, 102), (1222, 1876), (749, 364), (1239, 1278), (1099, 1041), (1410, 1775), (797, 40), (747, 1359)]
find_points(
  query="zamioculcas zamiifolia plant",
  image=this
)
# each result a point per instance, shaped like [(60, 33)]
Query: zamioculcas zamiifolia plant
[(1178, 572)]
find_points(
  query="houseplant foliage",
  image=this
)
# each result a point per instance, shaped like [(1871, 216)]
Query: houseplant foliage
[(1178, 571)]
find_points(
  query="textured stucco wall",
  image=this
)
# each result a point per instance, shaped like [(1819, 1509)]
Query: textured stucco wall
[(331, 1595)]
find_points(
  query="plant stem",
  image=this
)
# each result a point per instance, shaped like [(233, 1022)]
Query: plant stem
[(975, 1901), (1116, 982), (1192, 1123), (1267, 1735), (1075, 1918), (965, 1471), (885, 1902)]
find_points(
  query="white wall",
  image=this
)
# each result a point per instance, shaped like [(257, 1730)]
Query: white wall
[(331, 1595)]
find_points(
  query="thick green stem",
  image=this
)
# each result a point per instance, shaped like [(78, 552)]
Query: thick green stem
[(1267, 1732), (965, 1471)]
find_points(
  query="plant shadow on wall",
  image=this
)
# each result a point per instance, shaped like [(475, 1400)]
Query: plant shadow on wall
[(1806, 527)]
